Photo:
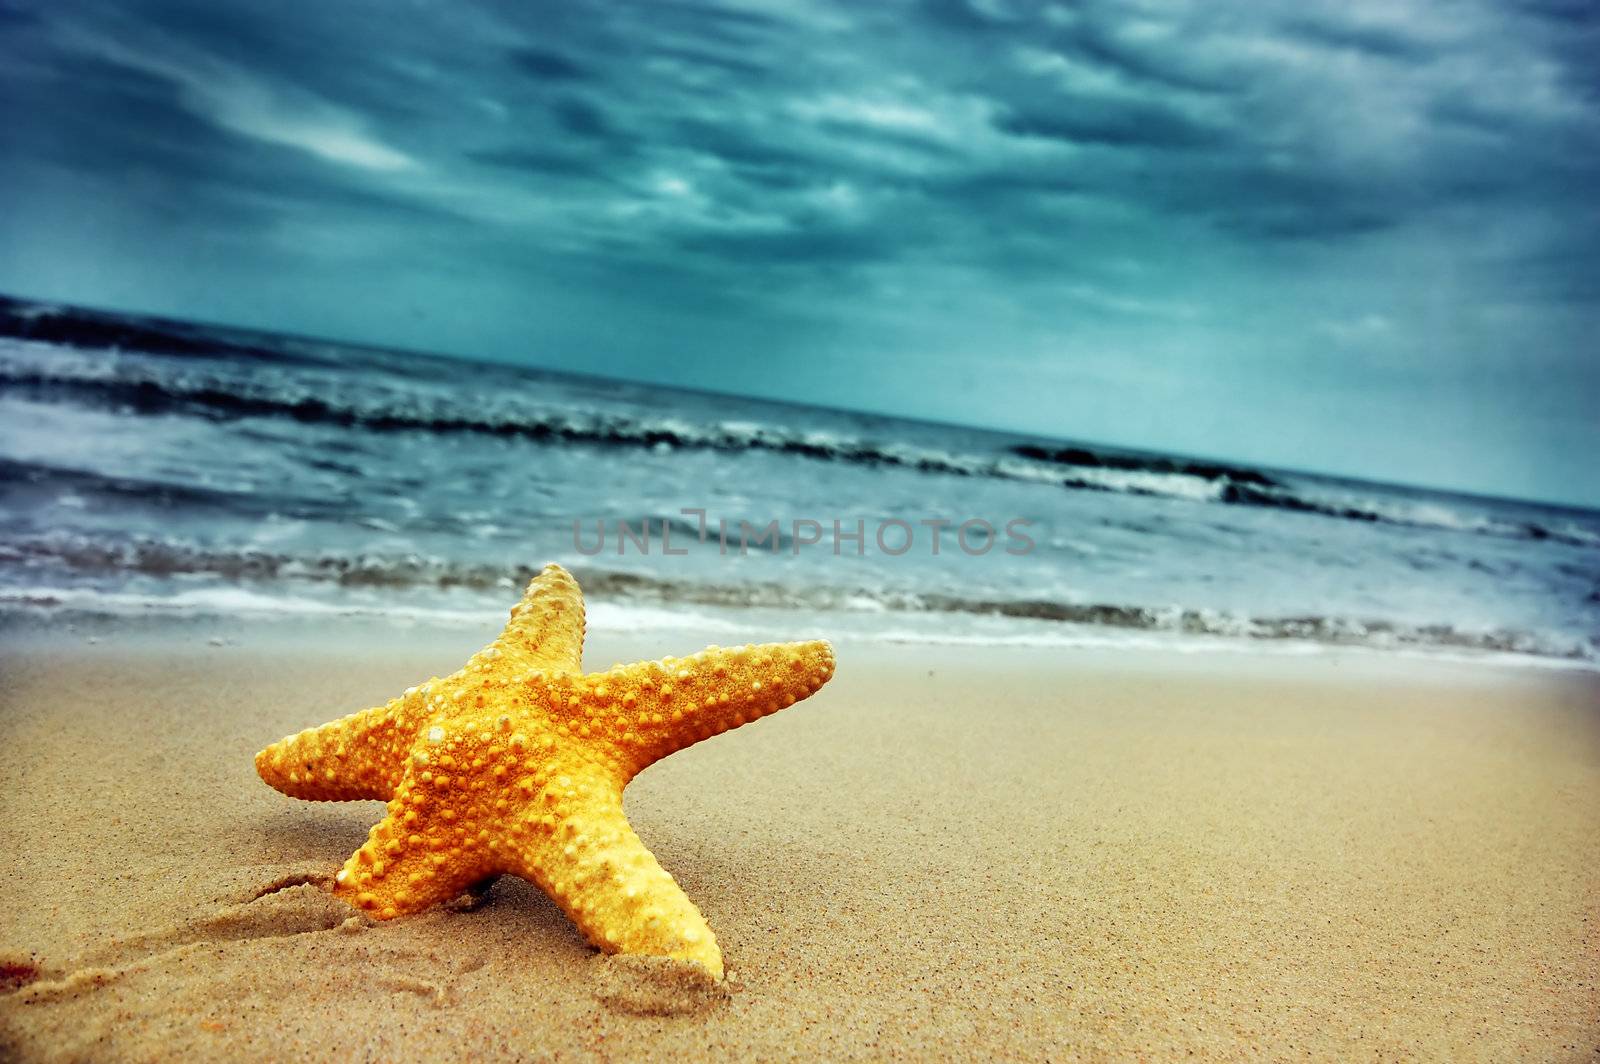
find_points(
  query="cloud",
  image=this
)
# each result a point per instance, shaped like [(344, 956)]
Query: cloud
[(551, 164), (239, 101), (1365, 328), (1122, 124), (1327, 123), (582, 119), (1365, 36), (547, 66), (1057, 181)]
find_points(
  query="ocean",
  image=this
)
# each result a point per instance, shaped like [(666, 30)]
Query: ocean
[(151, 467)]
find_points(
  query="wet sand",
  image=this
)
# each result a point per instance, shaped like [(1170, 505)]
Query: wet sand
[(947, 853)]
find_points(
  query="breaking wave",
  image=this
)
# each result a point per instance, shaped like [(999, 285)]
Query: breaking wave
[(310, 394), (255, 574)]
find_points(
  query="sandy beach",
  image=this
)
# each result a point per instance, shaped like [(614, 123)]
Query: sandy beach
[(949, 853)]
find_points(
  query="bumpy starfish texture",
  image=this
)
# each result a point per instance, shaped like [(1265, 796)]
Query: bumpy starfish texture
[(517, 762)]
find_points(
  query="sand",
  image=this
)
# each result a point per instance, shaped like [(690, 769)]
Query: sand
[(949, 853)]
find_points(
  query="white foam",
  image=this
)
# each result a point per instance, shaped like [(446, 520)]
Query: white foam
[(1077, 637), (229, 602), (626, 618)]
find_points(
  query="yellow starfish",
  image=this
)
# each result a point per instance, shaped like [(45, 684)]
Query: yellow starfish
[(517, 762)]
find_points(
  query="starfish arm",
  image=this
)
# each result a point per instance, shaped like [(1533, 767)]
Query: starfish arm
[(360, 756), (546, 627), (575, 842), (420, 854), (658, 708)]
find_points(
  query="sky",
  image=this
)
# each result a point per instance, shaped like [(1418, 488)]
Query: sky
[(1354, 237)]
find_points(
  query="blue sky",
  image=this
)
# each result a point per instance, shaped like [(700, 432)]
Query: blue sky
[(1355, 237)]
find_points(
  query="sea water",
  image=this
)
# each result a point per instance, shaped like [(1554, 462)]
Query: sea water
[(151, 467)]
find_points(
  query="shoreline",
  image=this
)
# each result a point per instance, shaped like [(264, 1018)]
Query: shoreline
[(54, 627), (948, 851)]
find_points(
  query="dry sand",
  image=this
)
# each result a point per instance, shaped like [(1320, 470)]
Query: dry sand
[(967, 854)]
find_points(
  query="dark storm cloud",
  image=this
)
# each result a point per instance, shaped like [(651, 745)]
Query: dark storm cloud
[(540, 163), (726, 24), (1383, 42), (1328, 122), (1132, 125), (776, 101), (1016, 175), (582, 119), (730, 63), (546, 66), (797, 247), (14, 16), (127, 124), (960, 16), (1170, 72)]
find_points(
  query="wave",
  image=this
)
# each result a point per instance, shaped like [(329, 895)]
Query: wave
[(276, 382), (1072, 468), (1407, 514), (85, 328), (207, 605), (266, 575), (25, 483), (1083, 458), (148, 388)]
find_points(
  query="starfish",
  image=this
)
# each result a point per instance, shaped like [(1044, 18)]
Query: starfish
[(516, 764)]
